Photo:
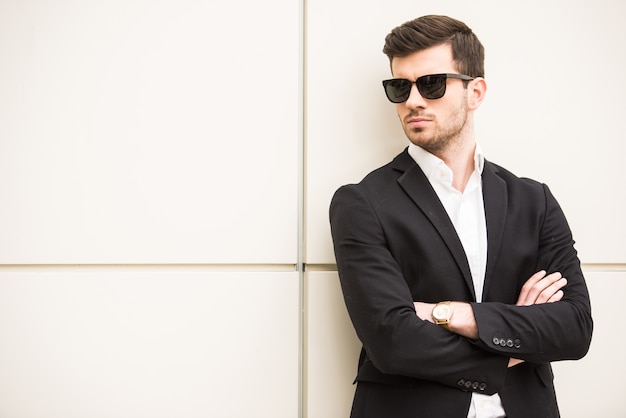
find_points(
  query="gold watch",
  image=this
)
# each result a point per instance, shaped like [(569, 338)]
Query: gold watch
[(442, 312)]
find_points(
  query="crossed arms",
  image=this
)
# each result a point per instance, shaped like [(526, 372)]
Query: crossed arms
[(539, 288)]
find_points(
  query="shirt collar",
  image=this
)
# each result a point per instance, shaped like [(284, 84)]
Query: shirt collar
[(428, 162)]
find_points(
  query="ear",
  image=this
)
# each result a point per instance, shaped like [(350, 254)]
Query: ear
[(476, 90)]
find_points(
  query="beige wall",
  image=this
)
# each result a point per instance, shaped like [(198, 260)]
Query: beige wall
[(165, 174)]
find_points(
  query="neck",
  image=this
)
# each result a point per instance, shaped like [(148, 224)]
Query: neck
[(460, 158)]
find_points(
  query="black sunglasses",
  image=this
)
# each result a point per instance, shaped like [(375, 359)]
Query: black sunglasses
[(432, 86)]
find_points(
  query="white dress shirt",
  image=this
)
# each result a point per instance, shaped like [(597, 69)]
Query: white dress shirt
[(467, 213)]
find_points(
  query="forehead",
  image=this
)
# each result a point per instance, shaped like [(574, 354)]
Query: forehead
[(434, 60)]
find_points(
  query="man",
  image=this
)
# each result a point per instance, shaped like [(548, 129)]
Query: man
[(460, 278)]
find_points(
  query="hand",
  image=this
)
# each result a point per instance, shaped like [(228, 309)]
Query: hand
[(540, 288), (424, 311)]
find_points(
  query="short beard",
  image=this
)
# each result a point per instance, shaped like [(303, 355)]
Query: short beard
[(444, 137)]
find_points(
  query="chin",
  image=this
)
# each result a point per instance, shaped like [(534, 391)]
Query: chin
[(431, 145)]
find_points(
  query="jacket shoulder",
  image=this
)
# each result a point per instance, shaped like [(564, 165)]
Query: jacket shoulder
[(510, 178), (380, 179)]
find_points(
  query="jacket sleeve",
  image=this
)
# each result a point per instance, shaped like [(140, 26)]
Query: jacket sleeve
[(380, 305), (545, 332)]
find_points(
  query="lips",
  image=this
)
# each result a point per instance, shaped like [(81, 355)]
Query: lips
[(418, 121)]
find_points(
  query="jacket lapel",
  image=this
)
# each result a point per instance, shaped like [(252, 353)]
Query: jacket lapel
[(495, 198), (416, 185)]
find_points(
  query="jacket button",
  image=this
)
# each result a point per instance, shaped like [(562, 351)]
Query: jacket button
[(468, 384), (503, 342), (460, 383), (496, 340), (475, 385), (482, 387), (517, 343), (509, 343)]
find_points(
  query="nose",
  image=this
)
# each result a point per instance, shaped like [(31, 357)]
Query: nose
[(415, 99)]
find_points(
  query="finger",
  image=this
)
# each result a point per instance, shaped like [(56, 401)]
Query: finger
[(537, 288), (526, 288), (551, 290), (556, 297), (543, 290)]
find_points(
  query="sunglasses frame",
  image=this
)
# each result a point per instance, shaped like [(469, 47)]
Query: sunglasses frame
[(445, 76)]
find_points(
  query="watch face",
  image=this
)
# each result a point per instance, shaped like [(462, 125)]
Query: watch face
[(441, 311)]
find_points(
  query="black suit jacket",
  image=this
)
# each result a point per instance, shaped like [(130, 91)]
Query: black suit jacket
[(395, 244)]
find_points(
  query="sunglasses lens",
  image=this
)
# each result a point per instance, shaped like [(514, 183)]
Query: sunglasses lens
[(397, 90), (432, 86)]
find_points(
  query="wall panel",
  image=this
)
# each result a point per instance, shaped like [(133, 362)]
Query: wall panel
[(148, 342), (148, 132), (602, 363), (331, 348)]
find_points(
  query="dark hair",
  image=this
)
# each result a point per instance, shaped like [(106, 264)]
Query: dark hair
[(428, 31)]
